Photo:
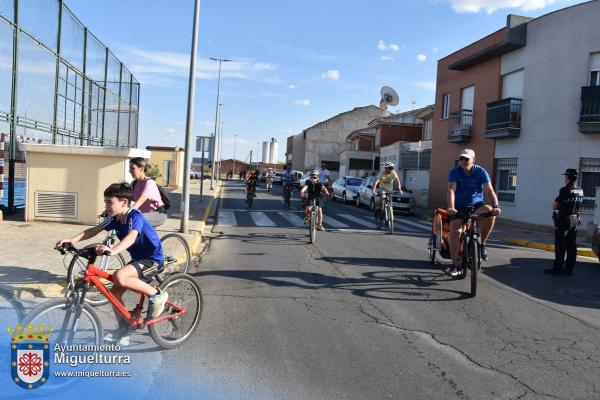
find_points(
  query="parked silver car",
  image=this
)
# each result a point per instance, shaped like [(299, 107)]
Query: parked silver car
[(346, 188), (403, 203)]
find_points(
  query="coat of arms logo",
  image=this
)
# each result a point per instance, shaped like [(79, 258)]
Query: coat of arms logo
[(30, 355)]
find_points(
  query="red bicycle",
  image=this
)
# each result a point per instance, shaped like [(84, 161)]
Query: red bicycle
[(76, 322)]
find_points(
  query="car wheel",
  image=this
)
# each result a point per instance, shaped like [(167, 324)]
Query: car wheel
[(372, 204), (357, 201), (344, 199)]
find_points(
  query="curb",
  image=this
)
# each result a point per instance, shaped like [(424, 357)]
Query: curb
[(547, 247), (209, 210)]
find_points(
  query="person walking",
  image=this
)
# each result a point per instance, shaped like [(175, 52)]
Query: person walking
[(566, 225)]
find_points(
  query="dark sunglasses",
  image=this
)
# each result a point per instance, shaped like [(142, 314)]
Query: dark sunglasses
[(464, 159)]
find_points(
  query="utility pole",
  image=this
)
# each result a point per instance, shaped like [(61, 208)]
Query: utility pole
[(234, 142), (221, 148), (185, 198), (214, 155)]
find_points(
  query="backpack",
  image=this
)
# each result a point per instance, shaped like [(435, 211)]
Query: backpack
[(164, 195)]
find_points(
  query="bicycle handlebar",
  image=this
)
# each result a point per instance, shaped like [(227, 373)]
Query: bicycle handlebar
[(87, 253)]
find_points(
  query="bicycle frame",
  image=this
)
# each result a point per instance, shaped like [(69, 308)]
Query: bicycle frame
[(93, 276)]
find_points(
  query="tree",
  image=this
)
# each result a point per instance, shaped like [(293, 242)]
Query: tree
[(153, 171)]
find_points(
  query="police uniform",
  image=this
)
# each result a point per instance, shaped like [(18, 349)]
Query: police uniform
[(566, 224)]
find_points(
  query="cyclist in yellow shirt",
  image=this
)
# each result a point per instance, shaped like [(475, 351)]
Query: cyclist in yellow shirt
[(385, 181)]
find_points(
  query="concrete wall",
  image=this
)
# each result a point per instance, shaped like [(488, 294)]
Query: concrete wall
[(555, 63), (325, 141), (86, 171), (418, 182), (298, 152), (159, 157)]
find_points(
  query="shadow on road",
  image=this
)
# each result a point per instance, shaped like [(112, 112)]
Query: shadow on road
[(389, 284), (526, 275)]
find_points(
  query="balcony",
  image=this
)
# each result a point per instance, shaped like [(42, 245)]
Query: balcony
[(460, 123), (503, 119), (589, 116)]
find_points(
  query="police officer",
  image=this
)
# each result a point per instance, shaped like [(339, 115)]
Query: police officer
[(566, 224)]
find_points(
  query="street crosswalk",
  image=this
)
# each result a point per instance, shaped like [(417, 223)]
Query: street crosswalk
[(294, 219)]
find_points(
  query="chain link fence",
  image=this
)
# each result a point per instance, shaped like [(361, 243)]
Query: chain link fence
[(59, 85)]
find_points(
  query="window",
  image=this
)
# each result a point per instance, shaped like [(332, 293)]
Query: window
[(506, 179), (595, 69), (446, 105), (589, 179), (427, 126)]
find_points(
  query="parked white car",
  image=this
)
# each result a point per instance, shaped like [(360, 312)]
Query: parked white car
[(346, 188), (403, 203)]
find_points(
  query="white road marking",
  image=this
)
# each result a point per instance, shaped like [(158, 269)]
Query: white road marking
[(334, 222), (359, 221), (227, 218), (260, 219), (401, 221), (292, 218)]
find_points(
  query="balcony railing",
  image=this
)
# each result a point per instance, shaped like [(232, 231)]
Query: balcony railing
[(589, 116), (460, 123), (503, 118)]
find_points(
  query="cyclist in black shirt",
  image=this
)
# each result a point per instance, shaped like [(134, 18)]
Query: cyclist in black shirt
[(314, 189), (566, 224), (251, 180)]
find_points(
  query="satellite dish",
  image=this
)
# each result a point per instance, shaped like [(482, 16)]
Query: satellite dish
[(388, 97)]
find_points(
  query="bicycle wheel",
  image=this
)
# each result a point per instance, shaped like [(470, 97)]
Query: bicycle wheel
[(431, 248), (474, 253), (177, 253), (59, 315), (76, 272), (390, 216), (378, 218), (184, 292), (11, 309), (250, 200), (313, 227)]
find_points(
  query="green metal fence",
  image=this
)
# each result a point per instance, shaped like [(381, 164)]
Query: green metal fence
[(58, 84)]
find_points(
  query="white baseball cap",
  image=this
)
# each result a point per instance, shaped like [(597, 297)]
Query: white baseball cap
[(467, 153)]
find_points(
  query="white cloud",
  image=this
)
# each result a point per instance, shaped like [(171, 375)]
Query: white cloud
[(304, 102), (292, 87), (381, 45), (387, 58), (489, 6), (425, 85), (164, 68), (421, 57), (435, 50), (333, 74), (170, 130), (394, 47)]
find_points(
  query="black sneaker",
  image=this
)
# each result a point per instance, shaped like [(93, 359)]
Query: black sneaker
[(483, 251), (552, 271)]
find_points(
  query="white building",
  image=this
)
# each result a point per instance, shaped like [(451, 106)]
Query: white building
[(549, 116), (325, 141)]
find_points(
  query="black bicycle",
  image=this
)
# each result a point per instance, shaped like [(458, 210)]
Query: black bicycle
[(250, 193), (385, 214), (287, 193), (314, 214), (470, 246)]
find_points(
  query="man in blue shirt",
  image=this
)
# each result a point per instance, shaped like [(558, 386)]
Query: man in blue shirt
[(287, 179), (467, 184)]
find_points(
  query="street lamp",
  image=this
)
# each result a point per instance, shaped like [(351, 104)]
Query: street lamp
[(214, 155), (234, 142), (185, 198), (221, 148)]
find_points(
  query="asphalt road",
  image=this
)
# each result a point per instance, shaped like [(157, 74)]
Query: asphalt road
[(363, 315)]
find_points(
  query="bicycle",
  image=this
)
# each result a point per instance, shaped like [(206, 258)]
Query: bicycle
[(385, 214), (269, 184), (75, 322), (470, 246), (287, 193), (312, 226), (250, 193), (176, 251)]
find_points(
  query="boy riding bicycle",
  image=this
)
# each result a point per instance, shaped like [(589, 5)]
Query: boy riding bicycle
[(143, 244)]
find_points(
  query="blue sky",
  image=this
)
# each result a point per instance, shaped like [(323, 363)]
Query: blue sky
[(295, 62)]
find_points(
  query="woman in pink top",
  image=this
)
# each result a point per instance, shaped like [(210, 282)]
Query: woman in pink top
[(145, 193)]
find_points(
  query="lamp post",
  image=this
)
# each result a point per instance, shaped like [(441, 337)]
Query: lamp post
[(234, 142), (221, 148), (218, 138), (214, 155), (185, 199)]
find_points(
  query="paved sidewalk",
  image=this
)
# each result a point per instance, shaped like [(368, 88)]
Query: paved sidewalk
[(30, 267)]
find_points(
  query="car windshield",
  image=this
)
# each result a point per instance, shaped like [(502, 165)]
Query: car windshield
[(353, 181)]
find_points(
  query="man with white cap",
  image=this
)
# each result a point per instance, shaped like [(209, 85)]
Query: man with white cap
[(467, 185)]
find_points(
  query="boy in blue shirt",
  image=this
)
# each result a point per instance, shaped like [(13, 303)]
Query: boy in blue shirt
[(143, 244), (467, 184)]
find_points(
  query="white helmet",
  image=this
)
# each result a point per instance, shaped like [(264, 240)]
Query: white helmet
[(315, 172), (388, 164)]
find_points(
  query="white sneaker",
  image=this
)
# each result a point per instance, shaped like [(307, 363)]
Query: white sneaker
[(157, 303), (117, 337), (454, 271)]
